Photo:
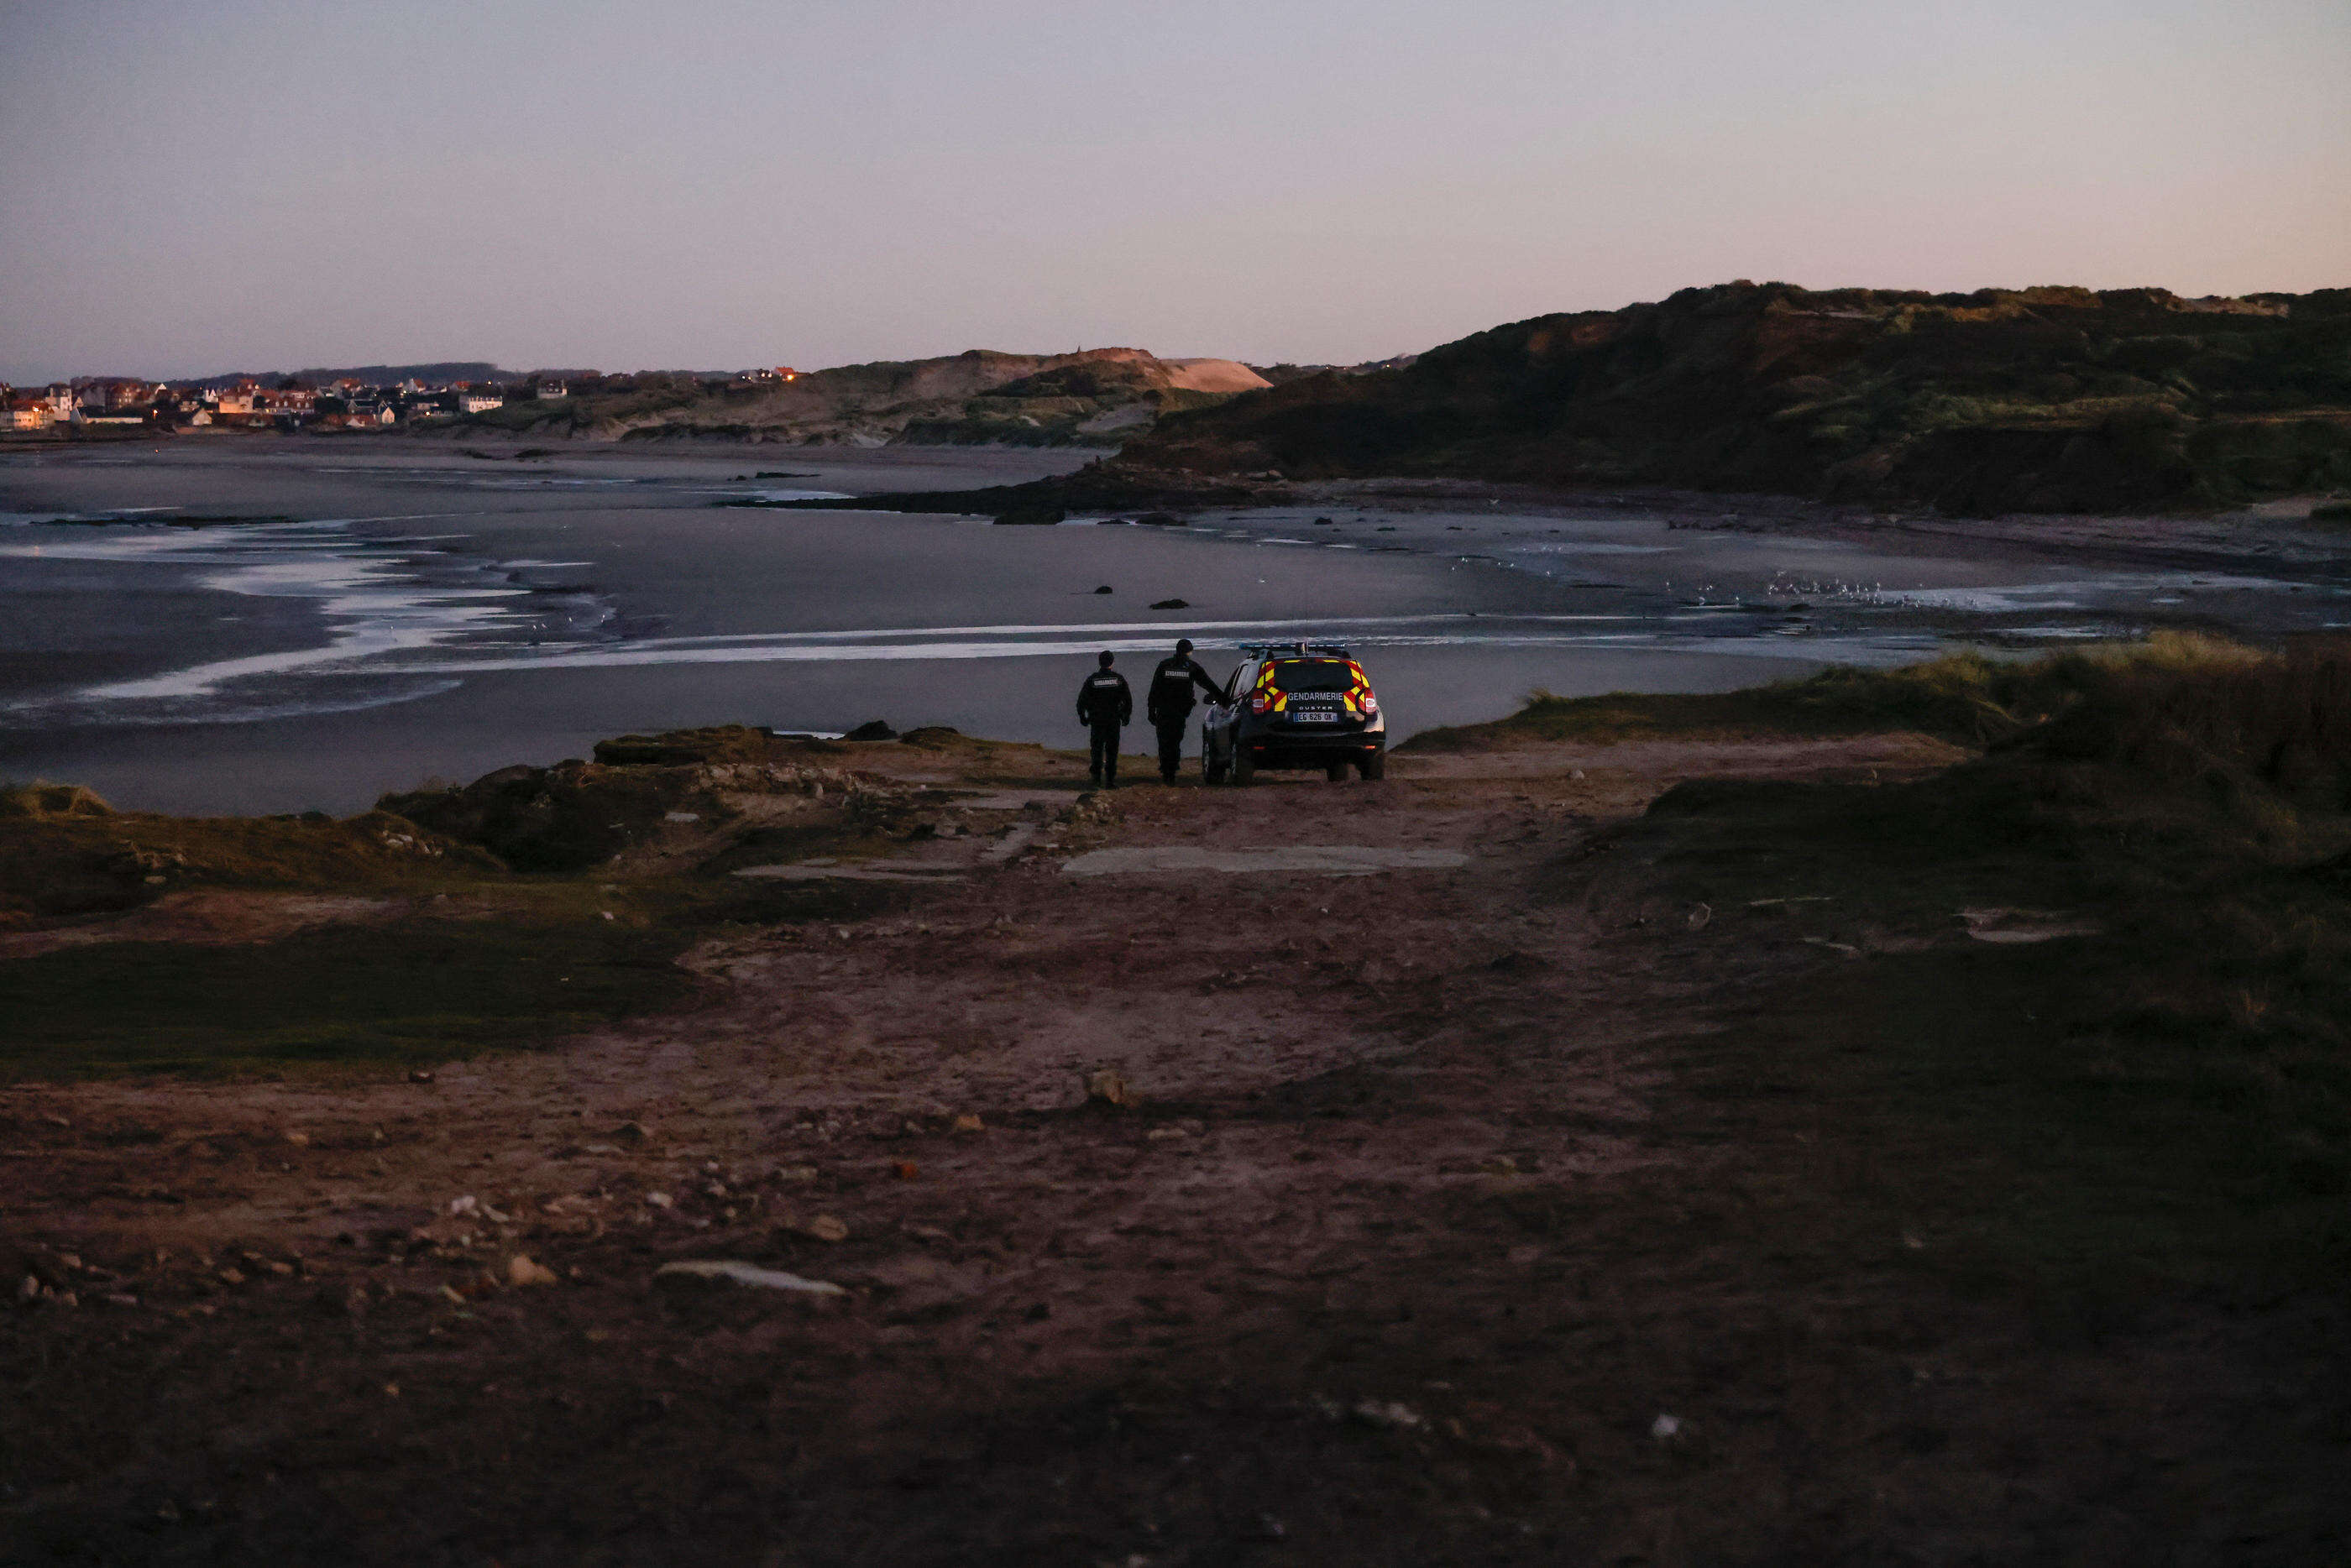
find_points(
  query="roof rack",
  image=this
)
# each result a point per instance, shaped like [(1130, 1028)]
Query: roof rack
[(1294, 649)]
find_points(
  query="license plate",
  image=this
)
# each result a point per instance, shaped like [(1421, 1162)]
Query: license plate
[(1314, 718)]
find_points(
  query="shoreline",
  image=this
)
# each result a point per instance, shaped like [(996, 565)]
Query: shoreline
[(701, 606), (2281, 526)]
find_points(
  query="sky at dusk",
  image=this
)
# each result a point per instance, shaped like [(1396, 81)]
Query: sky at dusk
[(193, 189)]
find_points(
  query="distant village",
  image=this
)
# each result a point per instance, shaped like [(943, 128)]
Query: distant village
[(103, 403)]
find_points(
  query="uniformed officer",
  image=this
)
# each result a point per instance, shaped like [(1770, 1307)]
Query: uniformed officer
[(1168, 704), (1105, 706)]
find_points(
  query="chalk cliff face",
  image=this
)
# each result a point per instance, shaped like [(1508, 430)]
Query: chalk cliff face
[(2034, 400), (1097, 395)]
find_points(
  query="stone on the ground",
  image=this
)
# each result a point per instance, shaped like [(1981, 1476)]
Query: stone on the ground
[(1389, 1413), (734, 1272), (1106, 1086), (1171, 603), (522, 1270)]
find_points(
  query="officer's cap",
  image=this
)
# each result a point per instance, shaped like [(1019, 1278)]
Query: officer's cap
[(1183, 645)]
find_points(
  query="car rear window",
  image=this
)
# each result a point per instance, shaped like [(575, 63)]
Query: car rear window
[(1313, 675)]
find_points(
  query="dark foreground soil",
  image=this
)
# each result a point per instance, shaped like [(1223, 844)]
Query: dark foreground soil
[(1504, 1214)]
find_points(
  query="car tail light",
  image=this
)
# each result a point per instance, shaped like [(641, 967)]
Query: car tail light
[(1260, 702), (1371, 704)]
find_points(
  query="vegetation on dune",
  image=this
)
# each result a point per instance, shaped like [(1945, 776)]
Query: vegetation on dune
[(2159, 1093), (976, 398), (2035, 400), (1965, 698)]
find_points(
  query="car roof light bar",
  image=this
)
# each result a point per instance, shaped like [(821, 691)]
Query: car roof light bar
[(1294, 649)]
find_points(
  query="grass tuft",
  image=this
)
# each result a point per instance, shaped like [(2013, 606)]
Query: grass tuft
[(1964, 697)]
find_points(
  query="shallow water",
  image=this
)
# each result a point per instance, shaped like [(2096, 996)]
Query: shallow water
[(402, 610)]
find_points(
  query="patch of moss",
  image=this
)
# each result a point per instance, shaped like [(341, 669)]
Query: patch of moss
[(417, 991), (539, 963)]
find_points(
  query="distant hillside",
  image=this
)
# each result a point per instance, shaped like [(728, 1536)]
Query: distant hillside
[(1279, 375), (438, 372), (2035, 400), (1098, 395)]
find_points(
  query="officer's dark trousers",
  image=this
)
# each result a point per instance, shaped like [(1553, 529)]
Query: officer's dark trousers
[(1105, 756), (1171, 745)]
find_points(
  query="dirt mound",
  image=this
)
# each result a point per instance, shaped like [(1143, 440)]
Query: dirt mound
[(682, 786), (52, 800), (722, 743), (568, 817)]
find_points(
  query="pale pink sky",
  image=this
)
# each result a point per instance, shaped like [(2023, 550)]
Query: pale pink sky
[(189, 189)]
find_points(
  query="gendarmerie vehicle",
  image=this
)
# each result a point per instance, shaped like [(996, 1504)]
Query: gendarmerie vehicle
[(1294, 705)]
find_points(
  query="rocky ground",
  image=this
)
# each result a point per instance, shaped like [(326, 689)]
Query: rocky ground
[(1172, 1215)]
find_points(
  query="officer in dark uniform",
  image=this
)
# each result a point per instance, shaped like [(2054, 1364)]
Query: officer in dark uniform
[(1105, 706), (1169, 703)]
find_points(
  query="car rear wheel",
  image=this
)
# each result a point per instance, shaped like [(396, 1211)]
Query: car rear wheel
[(1375, 767), (1336, 773), (1244, 766)]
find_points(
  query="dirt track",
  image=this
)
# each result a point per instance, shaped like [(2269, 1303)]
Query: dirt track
[(1405, 1255)]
